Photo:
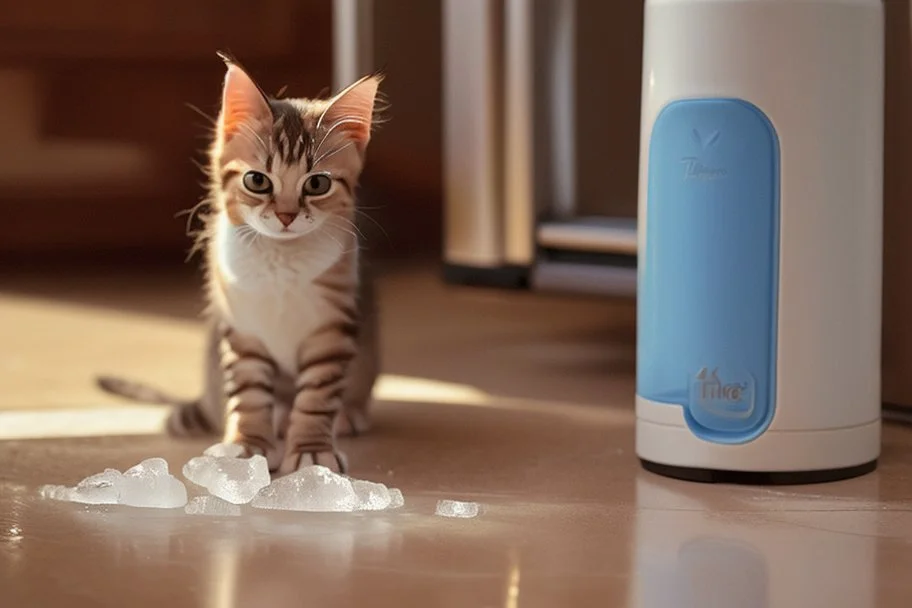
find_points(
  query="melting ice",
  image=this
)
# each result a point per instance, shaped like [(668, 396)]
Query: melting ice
[(148, 484), (211, 505), (317, 488), (236, 480), (456, 508)]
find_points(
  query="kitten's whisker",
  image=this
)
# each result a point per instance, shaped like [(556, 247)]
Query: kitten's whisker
[(191, 213), (376, 223), (354, 232), (337, 241), (350, 233), (253, 141), (253, 235), (246, 234), (342, 121), (259, 139), (332, 152), (206, 170), (355, 226), (211, 120)]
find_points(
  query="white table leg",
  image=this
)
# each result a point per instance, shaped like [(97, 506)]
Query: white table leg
[(473, 134), (519, 196), (353, 40)]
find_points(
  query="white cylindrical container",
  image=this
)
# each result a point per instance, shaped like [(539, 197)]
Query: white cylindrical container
[(760, 222)]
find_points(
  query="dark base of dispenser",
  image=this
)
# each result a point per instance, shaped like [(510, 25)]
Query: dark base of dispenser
[(759, 478)]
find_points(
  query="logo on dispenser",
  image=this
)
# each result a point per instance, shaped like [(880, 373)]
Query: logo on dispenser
[(729, 399), (694, 167)]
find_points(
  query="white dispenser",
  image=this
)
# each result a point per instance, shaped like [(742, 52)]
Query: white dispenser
[(760, 222)]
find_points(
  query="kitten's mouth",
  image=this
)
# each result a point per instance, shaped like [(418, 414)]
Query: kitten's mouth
[(285, 235)]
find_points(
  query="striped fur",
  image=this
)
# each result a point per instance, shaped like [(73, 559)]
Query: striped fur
[(291, 357)]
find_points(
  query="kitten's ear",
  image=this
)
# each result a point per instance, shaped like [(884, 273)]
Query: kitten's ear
[(243, 102), (351, 111)]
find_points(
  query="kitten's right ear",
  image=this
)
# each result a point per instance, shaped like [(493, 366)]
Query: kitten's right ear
[(243, 102)]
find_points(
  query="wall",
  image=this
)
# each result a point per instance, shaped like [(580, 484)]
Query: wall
[(897, 322)]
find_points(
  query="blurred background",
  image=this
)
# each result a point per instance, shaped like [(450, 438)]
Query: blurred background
[(98, 141), (95, 124)]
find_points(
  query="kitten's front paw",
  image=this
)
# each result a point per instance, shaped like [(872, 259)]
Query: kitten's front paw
[(247, 449), (351, 423), (333, 460)]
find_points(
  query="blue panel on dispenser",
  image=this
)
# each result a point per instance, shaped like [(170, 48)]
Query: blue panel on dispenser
[(709, 275)]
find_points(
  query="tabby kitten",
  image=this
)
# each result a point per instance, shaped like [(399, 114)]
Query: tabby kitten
[(291, 357)]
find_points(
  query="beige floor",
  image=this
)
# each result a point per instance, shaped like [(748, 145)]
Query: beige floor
[(520, 402)]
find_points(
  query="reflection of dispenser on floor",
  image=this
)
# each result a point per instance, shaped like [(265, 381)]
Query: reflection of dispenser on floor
[(760, 239), (753, 548)]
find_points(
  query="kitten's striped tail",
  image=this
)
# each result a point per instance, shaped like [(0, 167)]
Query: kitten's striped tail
[(188, 417)]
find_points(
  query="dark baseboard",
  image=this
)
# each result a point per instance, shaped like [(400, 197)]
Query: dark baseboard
[(505, 277)]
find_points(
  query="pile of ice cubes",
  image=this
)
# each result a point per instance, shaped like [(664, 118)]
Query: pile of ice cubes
[(231, 481)]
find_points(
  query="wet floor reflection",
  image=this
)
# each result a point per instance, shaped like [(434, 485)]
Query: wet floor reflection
[(121, 556), (269, 558), (756, 552)]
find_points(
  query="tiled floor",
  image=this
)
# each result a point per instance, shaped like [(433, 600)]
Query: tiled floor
[(520, 402)]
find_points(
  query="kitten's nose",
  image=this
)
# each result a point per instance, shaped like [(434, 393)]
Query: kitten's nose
[(286, 218)]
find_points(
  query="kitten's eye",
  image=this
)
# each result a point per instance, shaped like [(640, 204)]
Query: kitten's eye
[(257, 182), (317, 184)]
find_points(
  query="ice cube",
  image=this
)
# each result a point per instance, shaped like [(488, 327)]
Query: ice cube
[(212, 505), (98, 489), (396, 499), (456, 508), (312, 488), (236, 480), (371, 496), (225, 450), (149, 484)]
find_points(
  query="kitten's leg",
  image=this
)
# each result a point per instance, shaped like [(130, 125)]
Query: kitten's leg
[(249, 374), (212, 402), (281, 411), (362, 373), (323, 361)]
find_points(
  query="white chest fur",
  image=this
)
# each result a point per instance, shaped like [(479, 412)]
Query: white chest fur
[(267, 287)]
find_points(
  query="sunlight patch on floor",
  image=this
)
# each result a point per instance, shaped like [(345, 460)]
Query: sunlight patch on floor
[(407, 389), (87, 422), (147, 420)]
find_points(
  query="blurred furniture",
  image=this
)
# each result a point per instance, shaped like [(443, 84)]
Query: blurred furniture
[(513, 211), (353, 41)]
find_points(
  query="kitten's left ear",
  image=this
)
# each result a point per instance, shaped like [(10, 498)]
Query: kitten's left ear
[(243, 102), (351, 111)]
